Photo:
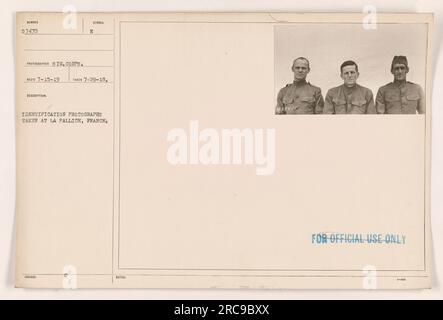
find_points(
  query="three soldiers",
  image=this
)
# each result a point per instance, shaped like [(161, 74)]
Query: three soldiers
[(399, 96)]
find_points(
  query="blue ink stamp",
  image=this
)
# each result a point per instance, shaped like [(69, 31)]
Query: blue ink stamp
[(357, 238)]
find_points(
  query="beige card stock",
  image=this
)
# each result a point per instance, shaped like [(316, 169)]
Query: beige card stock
[(149, 154)]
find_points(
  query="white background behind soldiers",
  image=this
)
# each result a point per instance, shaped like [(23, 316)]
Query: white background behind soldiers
[(327, 48)]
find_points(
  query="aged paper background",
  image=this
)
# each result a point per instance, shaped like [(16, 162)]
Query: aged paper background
[(112, 185)]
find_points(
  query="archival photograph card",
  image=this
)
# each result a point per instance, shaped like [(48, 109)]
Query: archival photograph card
[(223, 150)]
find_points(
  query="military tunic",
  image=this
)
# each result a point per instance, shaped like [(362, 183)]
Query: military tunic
[(400, 97), (299, 97), (342, 99)]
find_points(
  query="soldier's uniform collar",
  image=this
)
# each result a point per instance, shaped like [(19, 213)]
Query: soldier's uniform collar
[(349, 89), (299, 82), (399, 83)]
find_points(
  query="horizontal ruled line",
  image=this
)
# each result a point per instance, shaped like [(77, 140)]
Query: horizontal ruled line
[(68, 34), (69, 50), (233, 275), (45, 66), (41, 82)]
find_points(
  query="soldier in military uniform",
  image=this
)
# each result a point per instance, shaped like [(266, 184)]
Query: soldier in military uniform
[(300, 97), (349, 97), (400, 96)]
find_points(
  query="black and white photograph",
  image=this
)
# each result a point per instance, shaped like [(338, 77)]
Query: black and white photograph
[(350, 68)]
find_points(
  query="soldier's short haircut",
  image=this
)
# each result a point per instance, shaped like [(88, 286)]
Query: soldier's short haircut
[(301, 58), (348, 63)]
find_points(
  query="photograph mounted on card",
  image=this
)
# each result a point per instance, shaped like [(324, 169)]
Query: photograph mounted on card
[(224, 150)]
